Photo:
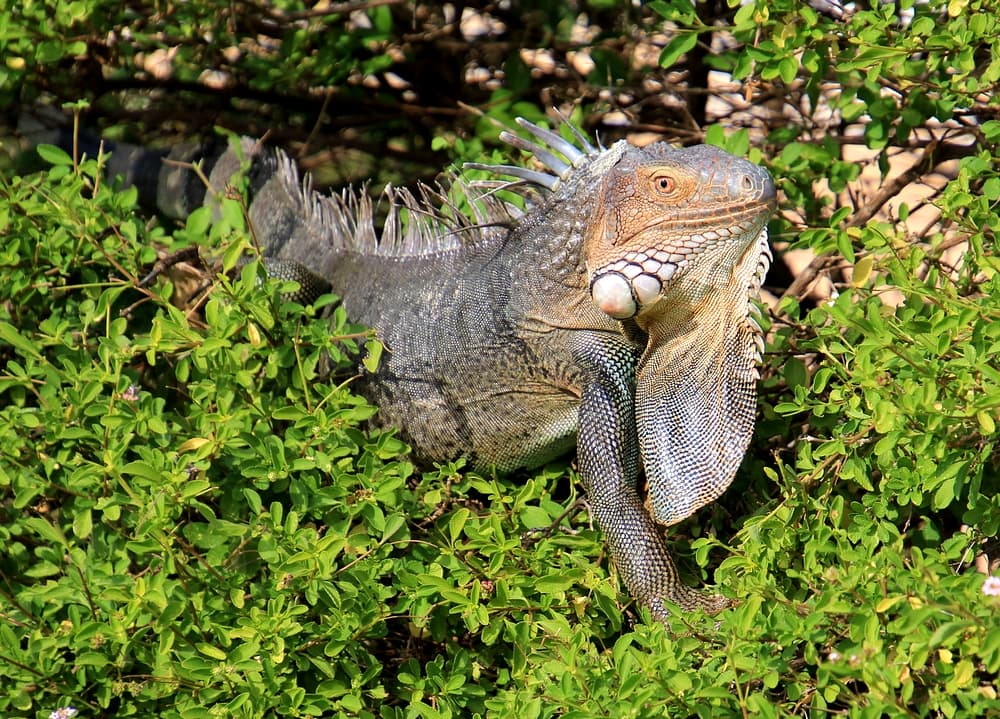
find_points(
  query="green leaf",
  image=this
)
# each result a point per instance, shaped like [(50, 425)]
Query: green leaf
[(144, 470), (535, 517), (678, 11), (289, 413), (199, 221), (373, 355), (788, 69), (54, 155), (456, 523), (83, 524), (393, 523), (45, 530), (678, 45), (556, 583), (49, 51), (795, 373), (211, 651), (12, 336)]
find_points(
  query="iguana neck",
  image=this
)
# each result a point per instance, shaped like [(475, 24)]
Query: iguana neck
[(546, 256)]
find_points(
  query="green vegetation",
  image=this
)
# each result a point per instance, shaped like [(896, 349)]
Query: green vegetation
[(197, 519)]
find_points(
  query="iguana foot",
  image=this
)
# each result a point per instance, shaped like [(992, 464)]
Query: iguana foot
[(689, 600)]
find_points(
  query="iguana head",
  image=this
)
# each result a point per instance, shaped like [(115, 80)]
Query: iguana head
[(677, 243), (663, 214)]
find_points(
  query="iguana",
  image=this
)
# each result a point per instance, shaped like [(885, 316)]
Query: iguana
[(613, 313)]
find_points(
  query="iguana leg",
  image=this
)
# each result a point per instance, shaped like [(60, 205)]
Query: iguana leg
[(609, 468)]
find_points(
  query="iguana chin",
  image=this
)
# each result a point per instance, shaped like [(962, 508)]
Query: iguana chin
[(613, 314)]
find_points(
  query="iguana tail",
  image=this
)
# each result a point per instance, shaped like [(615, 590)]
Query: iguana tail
[(138, 167), (294, 235)]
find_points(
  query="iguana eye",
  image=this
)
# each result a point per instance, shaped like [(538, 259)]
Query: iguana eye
[(664, 184)]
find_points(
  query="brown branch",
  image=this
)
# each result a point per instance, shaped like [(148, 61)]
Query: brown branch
[(924, 164), (341, 8), (932, 154)]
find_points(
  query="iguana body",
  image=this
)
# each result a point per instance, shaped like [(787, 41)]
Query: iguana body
[(614, 315)]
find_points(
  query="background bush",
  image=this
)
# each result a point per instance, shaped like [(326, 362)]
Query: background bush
[(196, 519)]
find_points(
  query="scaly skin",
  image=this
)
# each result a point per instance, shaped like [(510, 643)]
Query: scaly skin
[(614, 315)]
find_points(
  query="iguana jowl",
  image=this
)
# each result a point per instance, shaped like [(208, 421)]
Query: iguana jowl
[(614, 314)]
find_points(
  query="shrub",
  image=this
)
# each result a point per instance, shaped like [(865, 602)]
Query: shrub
[(198, 518)]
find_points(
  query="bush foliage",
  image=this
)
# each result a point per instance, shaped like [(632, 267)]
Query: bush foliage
[(198, 519)]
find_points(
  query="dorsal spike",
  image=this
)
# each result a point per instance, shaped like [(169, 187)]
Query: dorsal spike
[(556, 142), (582, 139), (535, 177), (545, 157), (544, 151)]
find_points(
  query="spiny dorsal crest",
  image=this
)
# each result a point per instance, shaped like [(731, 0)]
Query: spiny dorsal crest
[(452, 214)]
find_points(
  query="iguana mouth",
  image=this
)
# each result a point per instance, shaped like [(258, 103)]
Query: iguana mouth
[(636, 281)]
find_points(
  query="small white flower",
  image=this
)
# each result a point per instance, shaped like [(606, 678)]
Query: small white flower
[(991, 587), (64, 713)]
